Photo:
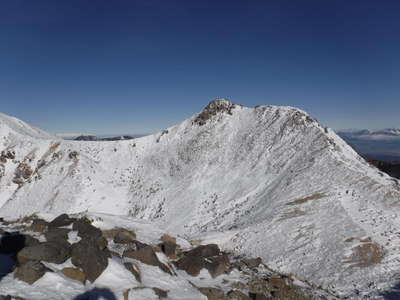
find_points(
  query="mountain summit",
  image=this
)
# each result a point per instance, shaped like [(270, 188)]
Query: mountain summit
[(267, 181)]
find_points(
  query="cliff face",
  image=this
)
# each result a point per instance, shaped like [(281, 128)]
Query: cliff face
[(270, 180)]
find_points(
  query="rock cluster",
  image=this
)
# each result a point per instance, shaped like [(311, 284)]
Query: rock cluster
[(212, 109), (90, 257)]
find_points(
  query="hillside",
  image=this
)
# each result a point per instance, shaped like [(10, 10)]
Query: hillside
[(266, 181)]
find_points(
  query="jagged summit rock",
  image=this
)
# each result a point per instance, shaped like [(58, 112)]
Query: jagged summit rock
[(220, 105), (271, 180)]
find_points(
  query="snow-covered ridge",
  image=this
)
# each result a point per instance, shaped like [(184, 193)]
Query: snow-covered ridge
[(267, 181), (16, 126)]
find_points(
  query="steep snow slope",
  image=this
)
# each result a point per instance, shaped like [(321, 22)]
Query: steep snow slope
[(271, 179)]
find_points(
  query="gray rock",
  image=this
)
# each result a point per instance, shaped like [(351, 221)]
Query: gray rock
[(53, 252), (217, 265), (252, 262), (124, 236), (57, 234), (143, 253), (191, 264), (30, 272), (204, 251), (86, 229), (91, 256), (61, 220)]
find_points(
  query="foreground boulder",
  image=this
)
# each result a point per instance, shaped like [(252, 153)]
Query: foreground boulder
[(39, 225), (91, 254), (204, 251), (74, 273), (191, 264), (86, 229), (52, 252), (57, 234), (124, 236), (61, 221), (145, 254), (30, 272), (217, 265)]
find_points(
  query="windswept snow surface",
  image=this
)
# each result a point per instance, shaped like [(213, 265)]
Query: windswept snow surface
[(267, 181)]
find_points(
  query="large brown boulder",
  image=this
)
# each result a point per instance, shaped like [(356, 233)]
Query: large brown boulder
[(30, 272), (217, 265), (86, 229), (204, 251), (169, 249), (143, 253), (57, 234), (191, 264), (61, 220), (74, 274), (53, 252), (124, 236), (39, 225), (91, 256)]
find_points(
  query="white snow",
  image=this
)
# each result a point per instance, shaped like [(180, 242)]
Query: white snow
[(266, 181)]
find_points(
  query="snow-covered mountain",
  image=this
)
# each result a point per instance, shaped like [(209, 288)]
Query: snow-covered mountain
[(267, 181)]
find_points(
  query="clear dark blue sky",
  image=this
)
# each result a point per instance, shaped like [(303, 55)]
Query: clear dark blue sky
[(141, 65)]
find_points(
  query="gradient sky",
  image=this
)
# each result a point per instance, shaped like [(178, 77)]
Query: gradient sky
[(141, 65)]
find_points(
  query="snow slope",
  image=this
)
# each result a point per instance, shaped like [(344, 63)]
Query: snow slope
[(270, 180)]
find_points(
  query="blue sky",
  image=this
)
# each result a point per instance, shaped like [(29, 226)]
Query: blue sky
[(139, 66)]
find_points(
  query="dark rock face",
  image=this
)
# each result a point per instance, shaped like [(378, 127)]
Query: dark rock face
[(124, 236), (53, 252), (39, 225), (143, 253), (204, 251), (91, 255), (252, 262), (30, 272), (169, 249), (212, 109), (191, 264), (57, 234), (86, 229), (61, 220), (74, 273), (217, 265)]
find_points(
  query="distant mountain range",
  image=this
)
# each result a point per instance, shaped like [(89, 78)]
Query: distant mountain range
[(103, 137), (379, 144)]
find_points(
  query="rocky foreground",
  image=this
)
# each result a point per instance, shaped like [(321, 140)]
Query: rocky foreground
[(70, 258)]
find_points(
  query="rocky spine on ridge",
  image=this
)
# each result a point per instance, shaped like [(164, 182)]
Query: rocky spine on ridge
[(212, 109)]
